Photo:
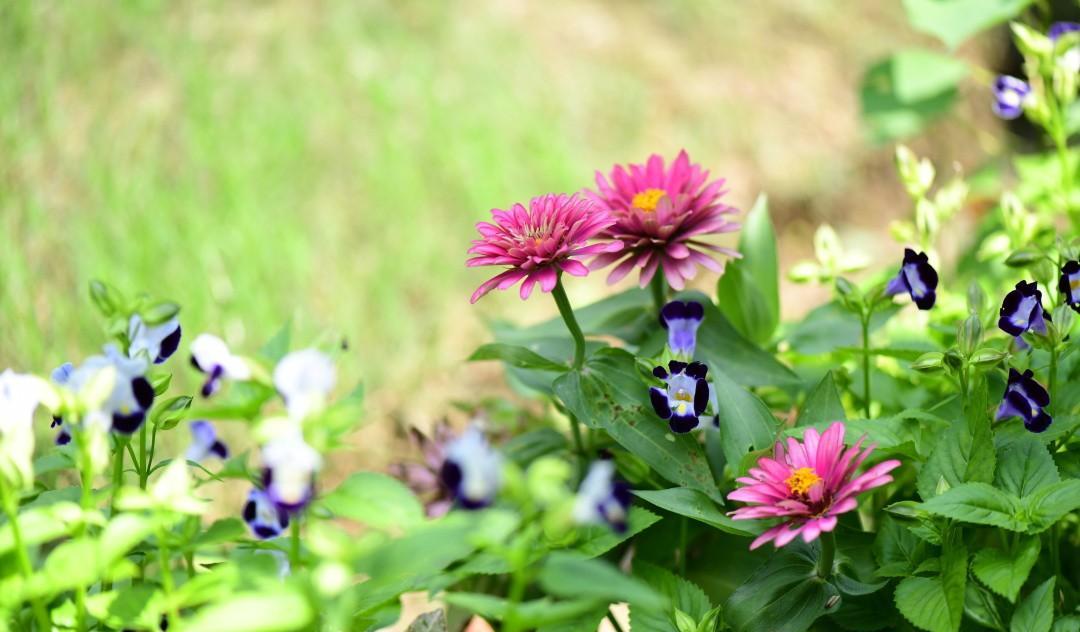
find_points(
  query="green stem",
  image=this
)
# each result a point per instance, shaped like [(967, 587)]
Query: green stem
[(866, 363), (518, 583), (165, 560), (294, 544), (682, 546), (568, 317), (964, 388), (1052, 385), (11, 508), (575, 427), (828, 553), (658, 285), (86, 476), (144, 467), (118, 473), (614, 622)]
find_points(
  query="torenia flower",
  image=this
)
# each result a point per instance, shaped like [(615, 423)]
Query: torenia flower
[(685, 395), (265, 519), (211, 355), (807, 485), (1069, 284), (472, 471), (289, 468), (1010, 94), (304, 379), (423, 477), (20, 396), (60, 376), (124, 408), (158, 341), (1022, 311), (205, 442), (916, 278), (539, 243), (1027, 399), (1071, 57), (660, 215), (601, 499), (681, 320)]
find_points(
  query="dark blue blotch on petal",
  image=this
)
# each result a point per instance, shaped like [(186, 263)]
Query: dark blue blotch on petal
[(169, 344), (701, 397), (660, 404), (681, 424), (697, 370)]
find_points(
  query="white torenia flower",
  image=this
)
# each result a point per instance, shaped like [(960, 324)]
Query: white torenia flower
[(601, 499), (289, 468), (472, 470), (20, 396), (304, 379), (265, 519), (158, 341), (119, 403), (211, 355)]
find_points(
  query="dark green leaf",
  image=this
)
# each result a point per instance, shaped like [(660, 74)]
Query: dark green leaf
[(822, 405), (922, 601), (748, 292), (897, 550), (746, 423), (954, 567), (964, 454), (682, 595), (515, 356), (783, 595), (571, 576), (529, 446), (1025, 466), (696, 506)]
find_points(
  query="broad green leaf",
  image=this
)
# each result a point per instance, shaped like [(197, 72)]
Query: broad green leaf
[(41, 524), (1024, 467), (696, 506), (572, 576), (746, 423), (425, 550), (902, 93), (922, 602), (682, 595), (136, 606), (822, 405), (122, 534), (979, 503), (965, 454), (1005, 571), (726, 351), (1051, 503), (981, 607), (830, 327), (610, 394), (221, 532), (1070, 623), (278, 610), (376, 500), (897, 550), (1036, 612), (515, 356), (954, 567), (953, 21), (529, 446), (748, 292), (783, 595), (600, 539)]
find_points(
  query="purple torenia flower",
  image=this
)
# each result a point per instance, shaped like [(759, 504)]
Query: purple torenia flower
[(211, 355), (1027, 399), (205, 442), (681, 320), (916, 278), (1022, 311), (685, 395), (601, 499), (1010, 94), (289, 468), (472, 471), (265, 519), (422, 476), (1069, 284), (1071, 57)]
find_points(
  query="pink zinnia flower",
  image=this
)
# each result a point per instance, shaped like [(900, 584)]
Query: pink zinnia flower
[(659, 214), (540, 242), (808, 485)]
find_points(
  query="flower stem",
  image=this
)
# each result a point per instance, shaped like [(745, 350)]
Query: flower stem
[(866, 362), (86, 475), (579, 445), (658, 285), (11, 508), (568, 317), (828, 553), (1052, 384), (144, 467), (294, 544), (682, 546), (165, 560)]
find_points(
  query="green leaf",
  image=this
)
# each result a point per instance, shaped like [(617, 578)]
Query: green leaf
[(376, 500), (276, 348), (953, 21), (965, 454), (922, 602), (683, 596), (170, 412), (106, 298), (981, 606), (529, 446), (954, 565), (696, 506), (1051, 503), (609, 394), (600, 539), (979, 503), (746, 423), (897, 550), (270, 610), (221, 532), (1036, 612), (572, 576), (515, 356), (1024, 467), (136, 606), (1005, 572), (822, 405), (158, 313), (783, 595), (748, 292), (901, 94), (725, 350)]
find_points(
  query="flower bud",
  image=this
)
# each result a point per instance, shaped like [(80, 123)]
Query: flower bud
[(915, 174), (929, 362), (987, 356), (1023, 258), (976, 298), (1031, 43), (969, 334)]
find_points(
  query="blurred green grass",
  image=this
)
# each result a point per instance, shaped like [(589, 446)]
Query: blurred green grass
[(325, 161)]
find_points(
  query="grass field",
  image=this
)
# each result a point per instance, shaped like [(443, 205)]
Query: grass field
[(325, 161)]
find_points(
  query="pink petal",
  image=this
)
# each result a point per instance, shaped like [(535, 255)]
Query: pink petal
[(574, 267), (504, 280), (768, 536), (787, 535)]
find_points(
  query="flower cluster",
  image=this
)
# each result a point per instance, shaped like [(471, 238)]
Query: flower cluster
[(1013, 96)]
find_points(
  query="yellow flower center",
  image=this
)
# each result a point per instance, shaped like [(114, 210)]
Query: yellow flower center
[(801, 480), (1074, 284), (648, 199), (683, 395)]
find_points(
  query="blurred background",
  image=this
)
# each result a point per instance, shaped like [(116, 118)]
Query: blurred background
[(325, 161)]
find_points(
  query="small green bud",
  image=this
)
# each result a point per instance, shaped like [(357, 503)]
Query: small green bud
[(684, 622), (916, 175), (987, 356), (805, 272), (976, 298), (929, 362), (1031, 43), (953, 361), (969, 334), (942, 486), (1023, 258), (158, 313)]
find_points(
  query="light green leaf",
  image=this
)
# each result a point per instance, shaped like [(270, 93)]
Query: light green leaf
[(897, 550), (1005, 572), (746, 423), (572, 576), (1051, 503), (1024, 467), (1036, 612), (964, 454), (953, 21), (696, 506), (822, 405), (901, 94), (515, 356), (979, 503), (158, 313), (276, 610), (136, 606), (683, 596), (954, 567), (221, 532), (376, 500), (922, 602), (748, 292)]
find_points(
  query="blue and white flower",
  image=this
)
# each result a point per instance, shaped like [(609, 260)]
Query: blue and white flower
[(681, 320), (1027, 399), (601, 499), (1010, 95), (60, 376), (289, 468), (265, 519), (685, 395), (205, 442), (211, 355), (1070, 59), (304, 379), (159, 342), (125, 405), (1069, 284), (916, 278), (20, 396), (472, 471), (1022, 311)]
